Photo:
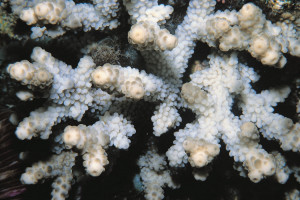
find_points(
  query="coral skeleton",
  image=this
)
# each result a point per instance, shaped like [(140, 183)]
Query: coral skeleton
[(214, 88)]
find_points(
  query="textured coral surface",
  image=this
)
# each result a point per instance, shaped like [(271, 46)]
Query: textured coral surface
[(151, 99)]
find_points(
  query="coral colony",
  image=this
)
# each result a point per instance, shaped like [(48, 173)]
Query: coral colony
[(108, 92)]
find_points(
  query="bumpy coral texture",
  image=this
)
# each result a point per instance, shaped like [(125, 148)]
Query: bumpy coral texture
[(214, 86)]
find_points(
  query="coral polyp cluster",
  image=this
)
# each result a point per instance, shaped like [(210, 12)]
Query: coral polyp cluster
[(144, 87)]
